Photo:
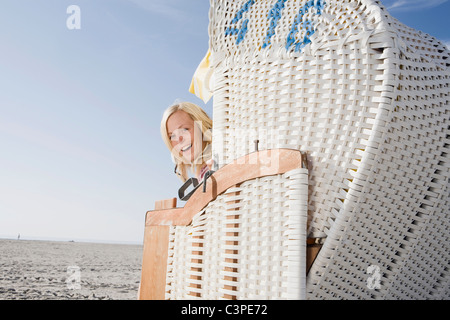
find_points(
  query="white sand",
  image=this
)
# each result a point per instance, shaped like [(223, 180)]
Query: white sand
[(69, 270)]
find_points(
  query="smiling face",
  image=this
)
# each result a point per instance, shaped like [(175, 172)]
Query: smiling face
[(181, 131)]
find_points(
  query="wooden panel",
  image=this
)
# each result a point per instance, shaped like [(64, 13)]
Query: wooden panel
[(166, 204), (311, 253), (251, 166), (154, 263), (154, 259), (165, 217)]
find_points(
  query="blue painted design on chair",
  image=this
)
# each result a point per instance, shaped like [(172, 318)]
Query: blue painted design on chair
[(274, 15), (243, 29), (306, 25)]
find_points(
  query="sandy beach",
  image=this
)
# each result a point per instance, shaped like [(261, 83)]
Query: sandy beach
[(44, 270)]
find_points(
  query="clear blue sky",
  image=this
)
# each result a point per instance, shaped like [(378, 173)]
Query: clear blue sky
[(80, 151)]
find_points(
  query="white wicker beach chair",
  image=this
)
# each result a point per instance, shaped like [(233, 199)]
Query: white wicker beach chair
[(367, 99)]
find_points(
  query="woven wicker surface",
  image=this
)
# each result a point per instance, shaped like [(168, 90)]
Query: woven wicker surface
[(368, 99), (247, 244)]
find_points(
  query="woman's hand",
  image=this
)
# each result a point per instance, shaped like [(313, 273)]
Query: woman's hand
[(210, 164)]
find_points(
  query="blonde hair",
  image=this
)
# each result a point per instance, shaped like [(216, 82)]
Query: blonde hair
[(204, 122)]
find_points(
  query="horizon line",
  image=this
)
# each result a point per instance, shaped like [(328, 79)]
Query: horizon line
[(76, 240)]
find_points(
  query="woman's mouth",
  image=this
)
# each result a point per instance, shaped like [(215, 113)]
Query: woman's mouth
[(186, 148)]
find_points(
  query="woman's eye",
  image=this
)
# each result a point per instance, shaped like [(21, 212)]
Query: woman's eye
[(182, 131), (174, 136)]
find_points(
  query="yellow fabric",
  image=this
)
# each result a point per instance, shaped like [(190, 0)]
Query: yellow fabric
[(200, 80)]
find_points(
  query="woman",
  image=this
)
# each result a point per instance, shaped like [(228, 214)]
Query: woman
[(186, 130)]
